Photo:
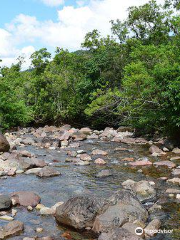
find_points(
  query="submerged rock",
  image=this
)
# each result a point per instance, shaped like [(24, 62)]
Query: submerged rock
[(25, 199), (99, 152), (11, 229), (4, 144), (168, 164), (103, 174)]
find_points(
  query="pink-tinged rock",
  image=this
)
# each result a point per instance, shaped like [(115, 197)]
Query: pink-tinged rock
[(38, 162), (100, 161), (24, 198), (99, 152), (48, 172), (156, 151), (127, 159), (140, 163), (65, 136), (93, 136), (11, 172), (74, 145), (168, 164)]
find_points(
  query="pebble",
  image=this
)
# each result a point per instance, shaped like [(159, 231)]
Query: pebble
[(29, 208), (6, 218), (39, 230)]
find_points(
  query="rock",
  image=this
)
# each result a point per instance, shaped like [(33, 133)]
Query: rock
[(93, 136), (172, 191), (33, 171), (121, 149), (14, 212), (64, 143), (174, 181), (84, 157), (46, 211), (176, 172), (140, 163), (28, 238), (39, 206), (100, 161), (127, 159), (29, 208), (123, 207), (79, 212), (39, 230), (168, 164), (5, 202), (155, 151), (176, 150), (4, 145), (78, 136), (85, 130), (178, 196), (25, 153), (49, 238), (99, 152), (143, 189), (103, 174), (175, 158), (152, 227), (118, 234), (11, 229), (38, 162), (25, 198), (155, 208), (131, 227), (48, 172), (6, 218)]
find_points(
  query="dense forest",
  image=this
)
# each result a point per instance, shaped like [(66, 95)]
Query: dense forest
[(129, 78)]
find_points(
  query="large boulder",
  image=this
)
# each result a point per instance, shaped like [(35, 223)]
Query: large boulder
[(118, 234), (79, 212), (4, 145), (123, 207), (5, 202)]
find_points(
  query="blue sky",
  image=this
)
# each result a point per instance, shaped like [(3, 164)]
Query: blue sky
[(28, 25)]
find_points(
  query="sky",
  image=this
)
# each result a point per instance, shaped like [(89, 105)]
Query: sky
[(28, 25)]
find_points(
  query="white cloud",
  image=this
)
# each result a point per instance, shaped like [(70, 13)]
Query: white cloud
[(68, 32), (53, 3)]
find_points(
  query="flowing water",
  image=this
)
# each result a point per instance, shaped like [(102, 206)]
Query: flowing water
[(81, 180)]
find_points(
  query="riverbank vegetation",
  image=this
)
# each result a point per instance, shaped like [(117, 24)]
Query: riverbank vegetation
[(129, 78)]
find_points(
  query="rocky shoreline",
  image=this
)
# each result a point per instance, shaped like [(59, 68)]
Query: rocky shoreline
[(134, 203)]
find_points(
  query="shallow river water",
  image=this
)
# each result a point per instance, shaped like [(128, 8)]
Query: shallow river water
[(81, 180)]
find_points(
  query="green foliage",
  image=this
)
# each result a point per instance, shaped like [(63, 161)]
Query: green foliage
[(131, 77)]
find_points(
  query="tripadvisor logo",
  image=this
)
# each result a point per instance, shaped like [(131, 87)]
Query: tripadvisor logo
[(139, 231)]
